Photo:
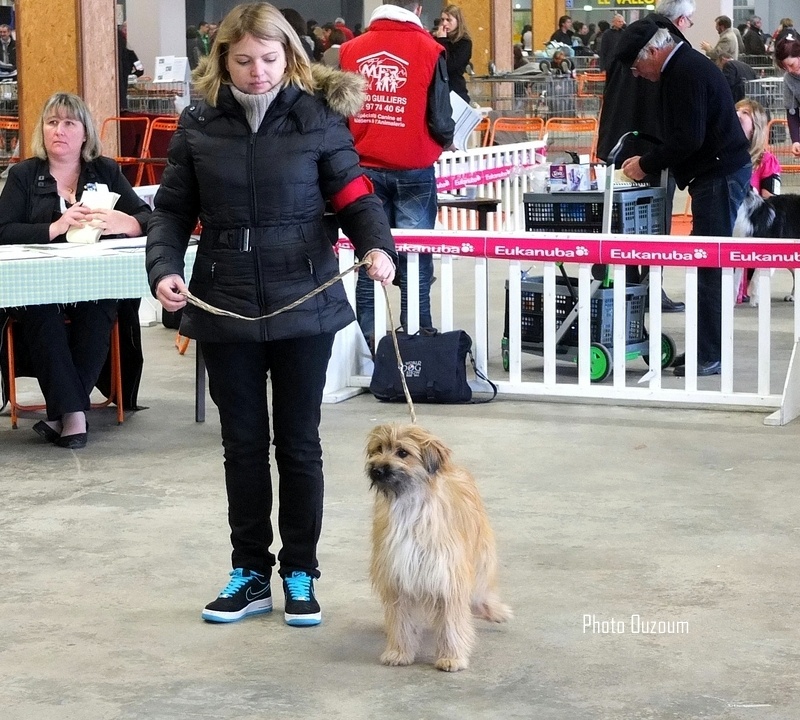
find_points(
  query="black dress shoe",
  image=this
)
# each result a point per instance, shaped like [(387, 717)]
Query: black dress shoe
[(703, 368), (670, 306), (679, 360), (73, 442), (42, 429)]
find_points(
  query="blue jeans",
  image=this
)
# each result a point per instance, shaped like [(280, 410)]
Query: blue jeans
[(409, 200), (715, 202)]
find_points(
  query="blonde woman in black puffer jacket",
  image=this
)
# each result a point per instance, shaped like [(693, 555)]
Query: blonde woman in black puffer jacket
[(256, 161)]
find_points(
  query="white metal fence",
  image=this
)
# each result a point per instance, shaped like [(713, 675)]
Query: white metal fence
[(479, 288)]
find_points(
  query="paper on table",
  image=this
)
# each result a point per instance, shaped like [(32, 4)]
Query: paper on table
[(465, 117), (66, 250), (96, 200), (125, 242), (22, 252)]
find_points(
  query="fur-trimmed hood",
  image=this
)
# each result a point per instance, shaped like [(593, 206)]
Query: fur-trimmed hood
[(345, 92)]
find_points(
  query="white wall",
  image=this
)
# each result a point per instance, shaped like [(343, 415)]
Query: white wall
[(369, 8), (704, 26), (155, 28)]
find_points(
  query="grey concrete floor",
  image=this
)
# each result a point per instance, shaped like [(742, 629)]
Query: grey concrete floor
[(683, 518)]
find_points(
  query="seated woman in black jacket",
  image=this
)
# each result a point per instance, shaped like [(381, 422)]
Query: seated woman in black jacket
[(452, 34), (40, 202)]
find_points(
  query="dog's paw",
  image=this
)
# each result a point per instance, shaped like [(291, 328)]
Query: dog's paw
[(396, 658), (452, 664)]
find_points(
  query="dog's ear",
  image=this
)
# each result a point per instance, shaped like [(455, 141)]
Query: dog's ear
[(379, 436), (435, 454)]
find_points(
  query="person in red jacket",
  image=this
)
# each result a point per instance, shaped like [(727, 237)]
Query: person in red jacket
[(339, 25), (400, 132)]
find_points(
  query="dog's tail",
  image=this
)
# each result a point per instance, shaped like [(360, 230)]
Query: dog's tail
[(489, 607)]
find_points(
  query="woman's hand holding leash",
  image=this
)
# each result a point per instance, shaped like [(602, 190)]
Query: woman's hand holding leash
[(380, 267), (170, 292)]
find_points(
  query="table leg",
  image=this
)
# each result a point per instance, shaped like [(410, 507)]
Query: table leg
[(199, 386)]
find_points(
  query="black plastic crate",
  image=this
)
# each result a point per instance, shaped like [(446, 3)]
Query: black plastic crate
[(602, 312), (634, 212)]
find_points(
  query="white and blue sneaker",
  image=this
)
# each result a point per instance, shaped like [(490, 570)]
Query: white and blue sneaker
[(302, 608), (247, 593)]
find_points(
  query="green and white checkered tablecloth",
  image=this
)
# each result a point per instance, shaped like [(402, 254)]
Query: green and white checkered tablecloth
[(39, 278)]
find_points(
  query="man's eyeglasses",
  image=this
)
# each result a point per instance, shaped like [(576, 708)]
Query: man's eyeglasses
[(688, 20)]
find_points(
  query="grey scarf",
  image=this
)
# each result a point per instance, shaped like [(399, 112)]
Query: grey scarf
[(255, 106)]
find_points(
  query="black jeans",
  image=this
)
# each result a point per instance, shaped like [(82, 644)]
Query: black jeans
[(237, 374), (67, 359)]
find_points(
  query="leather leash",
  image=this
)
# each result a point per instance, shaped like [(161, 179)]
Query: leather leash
[(193, 300)]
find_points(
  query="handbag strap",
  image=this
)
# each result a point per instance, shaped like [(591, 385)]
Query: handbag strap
[(483, 377)]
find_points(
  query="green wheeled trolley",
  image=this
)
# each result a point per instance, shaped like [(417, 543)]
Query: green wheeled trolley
[(601, 325), (635, 210)]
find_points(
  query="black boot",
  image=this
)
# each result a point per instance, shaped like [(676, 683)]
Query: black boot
[(670, 306)]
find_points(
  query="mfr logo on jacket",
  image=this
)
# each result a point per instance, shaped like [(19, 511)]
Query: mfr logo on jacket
[(386, 100)]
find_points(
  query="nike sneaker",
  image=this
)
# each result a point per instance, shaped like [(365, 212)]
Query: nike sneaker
[(247, 593), (302, 608)]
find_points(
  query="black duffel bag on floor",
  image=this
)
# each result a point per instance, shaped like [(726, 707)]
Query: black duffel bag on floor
[(434, 366)]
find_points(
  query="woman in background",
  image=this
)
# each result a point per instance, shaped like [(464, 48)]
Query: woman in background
[(40, 202), (766, 177), (787, 58), (452, 34), (526, 38)]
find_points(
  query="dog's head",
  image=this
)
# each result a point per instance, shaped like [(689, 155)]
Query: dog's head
[(755, 216), (403, 457)]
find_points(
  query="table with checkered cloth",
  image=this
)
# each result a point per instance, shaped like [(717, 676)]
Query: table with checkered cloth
[(38, 274)]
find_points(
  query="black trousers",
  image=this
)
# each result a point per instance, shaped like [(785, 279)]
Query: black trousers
[(67, 359), (715, 202), (237, 374)]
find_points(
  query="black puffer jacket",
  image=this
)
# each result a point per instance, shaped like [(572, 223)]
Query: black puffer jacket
[(261, 199)]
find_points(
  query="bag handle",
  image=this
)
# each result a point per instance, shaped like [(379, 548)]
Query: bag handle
[(483, 377)]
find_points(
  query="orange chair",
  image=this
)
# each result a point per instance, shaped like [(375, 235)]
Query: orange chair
[(182, 343), (159, 132), (9, 138), (528, 128), (112, 132), (578, 135), (682, 222), (116, 378), (483, 127), (590, 93), (779, 143)]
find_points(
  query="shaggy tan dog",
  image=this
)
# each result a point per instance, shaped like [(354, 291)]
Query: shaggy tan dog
[(433, 550)]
